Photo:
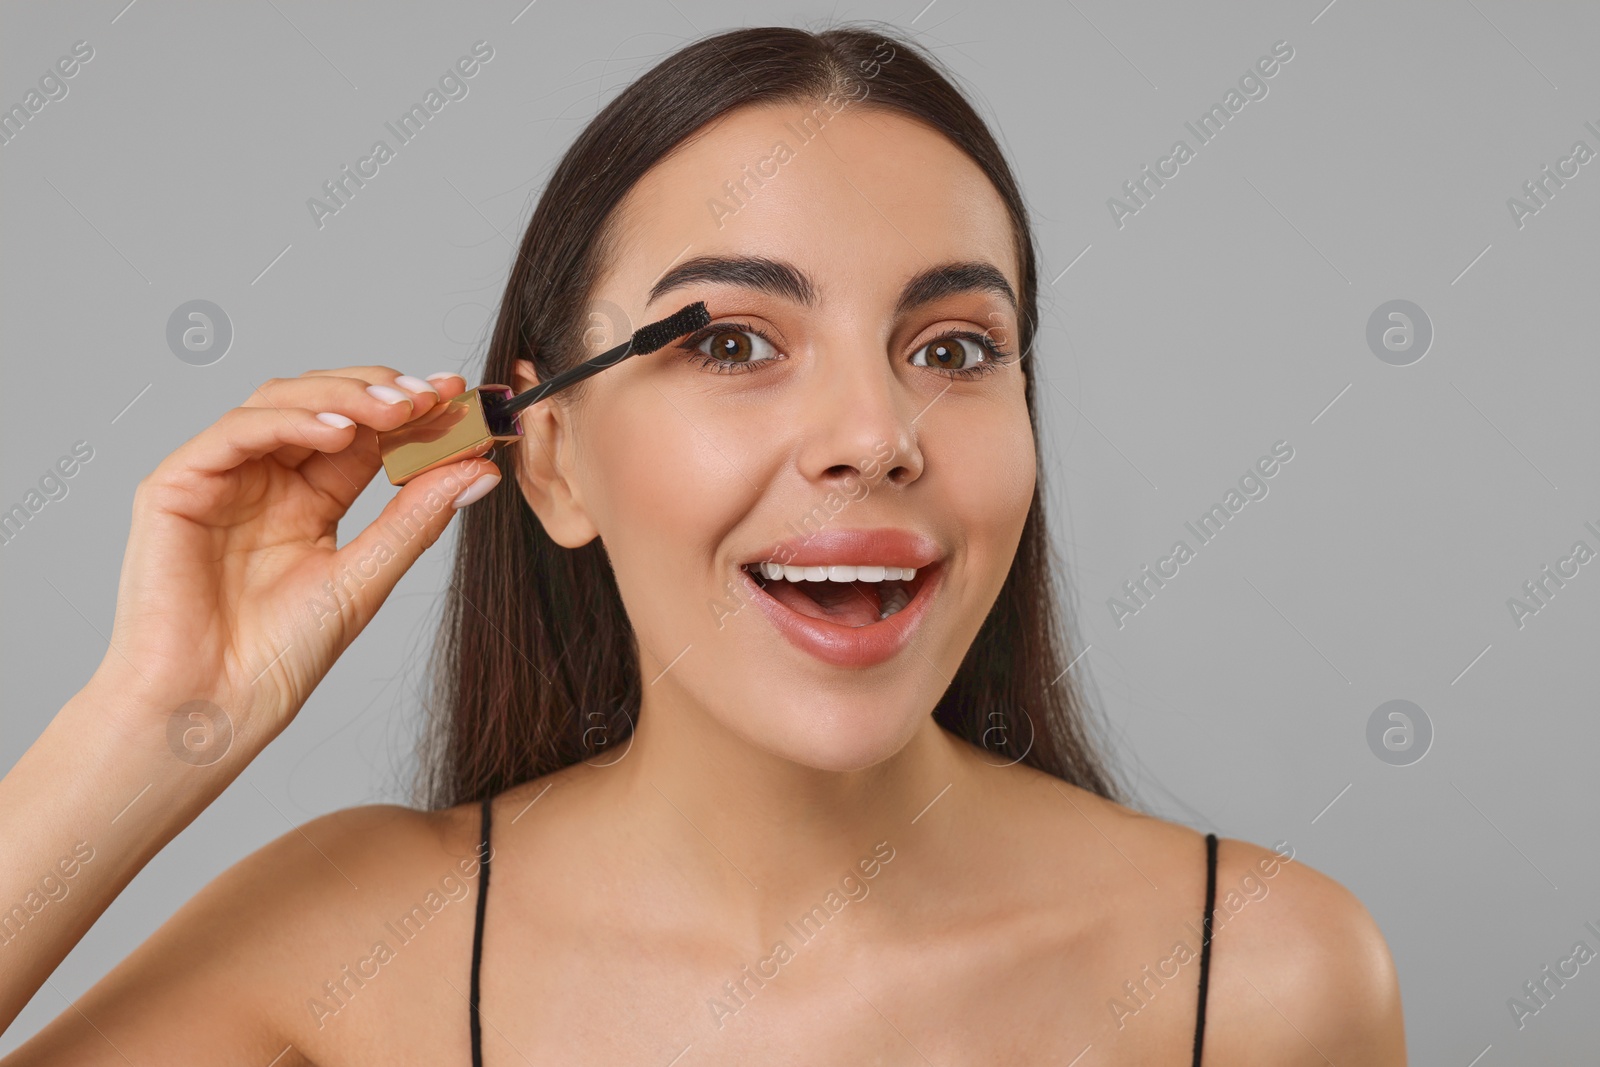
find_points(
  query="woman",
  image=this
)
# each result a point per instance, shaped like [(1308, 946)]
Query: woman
[(689, 804)]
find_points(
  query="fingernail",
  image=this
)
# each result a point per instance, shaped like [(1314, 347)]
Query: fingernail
[(476, 490), (442, 375), (333, 418), (416, 385), (387, 395)]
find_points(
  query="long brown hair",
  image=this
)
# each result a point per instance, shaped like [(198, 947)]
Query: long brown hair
[(536, 662)]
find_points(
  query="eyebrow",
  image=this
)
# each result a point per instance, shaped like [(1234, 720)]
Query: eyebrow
[(783, 279)]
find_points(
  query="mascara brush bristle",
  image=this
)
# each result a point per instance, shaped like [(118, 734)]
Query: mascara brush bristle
[(656, 334), (645, 339)]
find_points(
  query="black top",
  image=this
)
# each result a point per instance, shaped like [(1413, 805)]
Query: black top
[(483, 899)]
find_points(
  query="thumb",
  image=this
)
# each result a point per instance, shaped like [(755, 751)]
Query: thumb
[(368, 568)]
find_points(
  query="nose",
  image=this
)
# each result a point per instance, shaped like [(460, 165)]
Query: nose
[(859, 423)]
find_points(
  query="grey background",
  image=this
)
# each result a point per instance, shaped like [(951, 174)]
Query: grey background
[(1228, 314)]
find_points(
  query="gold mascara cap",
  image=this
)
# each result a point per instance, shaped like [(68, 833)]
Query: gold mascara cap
[(457, 429)]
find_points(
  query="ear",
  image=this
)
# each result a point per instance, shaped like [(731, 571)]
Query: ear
[(544, 467)]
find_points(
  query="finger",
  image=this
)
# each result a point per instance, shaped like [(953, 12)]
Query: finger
[(378, 406), (354, 395), (342, 476), (425, 394), (247, 433), (444, 383), (448, 383), (411, 522)]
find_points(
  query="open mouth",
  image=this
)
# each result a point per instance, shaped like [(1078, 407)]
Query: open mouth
[(844, 595)]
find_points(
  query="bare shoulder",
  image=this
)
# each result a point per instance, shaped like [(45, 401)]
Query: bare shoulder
[(1299, 971), (390, 892), (309, 947)]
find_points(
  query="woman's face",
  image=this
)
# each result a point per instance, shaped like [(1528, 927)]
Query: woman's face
[(843, 426)]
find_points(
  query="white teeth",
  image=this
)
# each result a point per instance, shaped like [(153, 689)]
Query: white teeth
[(774, 571), (892, 598)]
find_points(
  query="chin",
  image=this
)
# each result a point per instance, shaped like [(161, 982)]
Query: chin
[(849, 737)]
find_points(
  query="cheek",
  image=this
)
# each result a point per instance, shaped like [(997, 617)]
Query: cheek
[(662, 495), (989, 470), (647, 461)]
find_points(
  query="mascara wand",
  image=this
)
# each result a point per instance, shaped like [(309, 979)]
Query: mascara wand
[(472, 423)]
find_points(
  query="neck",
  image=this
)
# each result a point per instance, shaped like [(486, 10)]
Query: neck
[(762, 833)]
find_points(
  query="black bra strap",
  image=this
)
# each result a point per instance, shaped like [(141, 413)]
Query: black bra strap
[(477, 935), (1205, 945)]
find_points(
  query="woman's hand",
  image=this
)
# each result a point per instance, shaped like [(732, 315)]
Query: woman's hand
[(234, 590), (234, 601)]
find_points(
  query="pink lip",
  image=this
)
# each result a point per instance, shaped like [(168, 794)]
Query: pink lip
[(853, 646), (886, 545)]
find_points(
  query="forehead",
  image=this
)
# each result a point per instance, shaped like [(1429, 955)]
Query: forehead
[(860, 198)]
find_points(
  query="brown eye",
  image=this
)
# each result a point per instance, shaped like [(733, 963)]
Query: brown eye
[(947, 354), (731, 345)]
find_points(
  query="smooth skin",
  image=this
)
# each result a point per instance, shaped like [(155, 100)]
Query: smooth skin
[(634, 896)]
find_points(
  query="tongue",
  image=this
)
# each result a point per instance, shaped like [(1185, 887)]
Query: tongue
[(845, 603)]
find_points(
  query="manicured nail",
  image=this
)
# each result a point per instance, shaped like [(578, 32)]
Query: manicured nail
[(476, 490), (442, 375), (387, 395), (333, 418), (416, 385)]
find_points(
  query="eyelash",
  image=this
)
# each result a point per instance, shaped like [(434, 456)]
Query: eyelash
[(996, 356)]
